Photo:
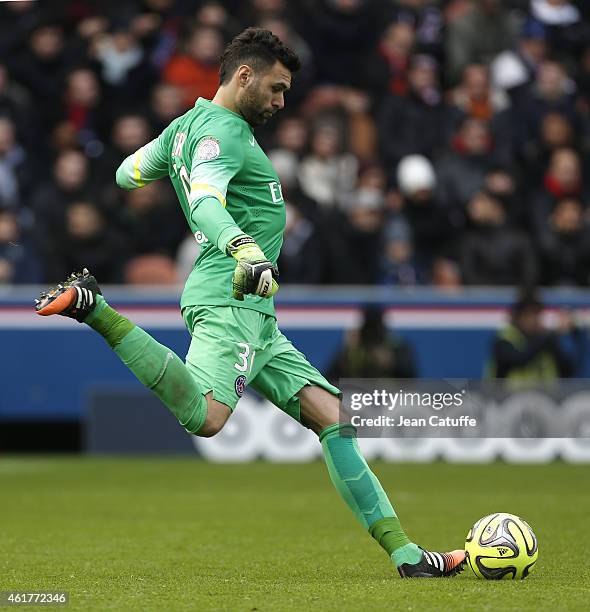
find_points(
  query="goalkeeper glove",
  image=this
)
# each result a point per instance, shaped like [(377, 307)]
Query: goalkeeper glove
[(254, 273)]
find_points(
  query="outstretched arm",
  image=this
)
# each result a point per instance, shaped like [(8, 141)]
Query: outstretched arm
[(147, 164)]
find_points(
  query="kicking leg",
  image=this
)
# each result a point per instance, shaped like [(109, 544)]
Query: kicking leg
[(362, 491), (155, 365)]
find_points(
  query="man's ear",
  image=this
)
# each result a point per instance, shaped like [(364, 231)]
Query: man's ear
[(244, 74)]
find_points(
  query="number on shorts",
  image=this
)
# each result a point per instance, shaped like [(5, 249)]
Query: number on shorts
[(243, 356)]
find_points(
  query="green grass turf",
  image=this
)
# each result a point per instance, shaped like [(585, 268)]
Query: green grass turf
[(170, 534)]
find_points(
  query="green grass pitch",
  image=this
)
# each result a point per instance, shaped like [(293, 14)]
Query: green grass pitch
[(181, 534)]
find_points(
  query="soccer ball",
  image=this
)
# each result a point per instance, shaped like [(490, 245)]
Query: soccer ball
[(501, 545)]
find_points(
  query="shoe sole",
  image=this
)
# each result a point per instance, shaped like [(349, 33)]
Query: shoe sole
[(60, 303)]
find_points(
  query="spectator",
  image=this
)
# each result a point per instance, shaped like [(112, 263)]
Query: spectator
[(462, 170), (395, 48), (16, 20), (429, 221), (427, 21), (82, 110), (196, 70), (343, 35), (15, 104), (129, 133), (478, 36), (14, 178), (118, 53), (19, 263), (290, 141), (302, 255), (446, 274), (365, 215), (555, 12), (87, 241), (165, 105), (501, 185), (492, 253), (475, 97), (254, 11), (566, 31), (125, 70), (526, 353), (70, 181), (152, 221), (566, 248), (412, 124), (157, 26), (354, 108), (514, 70), (328, 173), (398, 262), (213, 14), (41, 68), (373, 352)]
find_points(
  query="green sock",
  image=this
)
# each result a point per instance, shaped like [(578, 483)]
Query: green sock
[(390, 535), (363, 493), (154, 364), (112, 326)]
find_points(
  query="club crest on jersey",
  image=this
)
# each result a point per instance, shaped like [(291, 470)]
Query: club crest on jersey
[(240, 385), (208, 148)]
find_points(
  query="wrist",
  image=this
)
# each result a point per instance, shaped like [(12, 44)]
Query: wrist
[(244, 247)]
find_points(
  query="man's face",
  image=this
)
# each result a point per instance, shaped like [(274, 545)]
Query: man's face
[(529, 321), (261, 95)]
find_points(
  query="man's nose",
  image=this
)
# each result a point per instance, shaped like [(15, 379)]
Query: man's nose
[(278, 102)]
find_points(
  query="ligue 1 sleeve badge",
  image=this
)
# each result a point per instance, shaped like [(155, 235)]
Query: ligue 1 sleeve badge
[(240, 385), (208, 148)]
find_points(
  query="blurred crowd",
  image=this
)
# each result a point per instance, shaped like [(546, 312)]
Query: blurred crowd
[(427, 142)]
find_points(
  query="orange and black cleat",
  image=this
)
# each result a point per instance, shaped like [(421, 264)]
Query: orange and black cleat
[(74, 298), (434, 565)]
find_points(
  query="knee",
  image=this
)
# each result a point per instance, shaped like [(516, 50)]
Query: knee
[(209, 429), (217, 416)]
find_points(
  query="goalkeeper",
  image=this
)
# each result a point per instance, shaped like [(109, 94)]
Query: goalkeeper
[(231, 198)]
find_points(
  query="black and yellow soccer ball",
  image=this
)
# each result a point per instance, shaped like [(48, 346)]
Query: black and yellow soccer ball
[(501, 546)]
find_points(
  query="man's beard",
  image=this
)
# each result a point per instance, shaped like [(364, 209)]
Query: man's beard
[(251, 107)]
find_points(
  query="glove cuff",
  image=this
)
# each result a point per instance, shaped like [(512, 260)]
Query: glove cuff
[(237, 243), (245, 247)]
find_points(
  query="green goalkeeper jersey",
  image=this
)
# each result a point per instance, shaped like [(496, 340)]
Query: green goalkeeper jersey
[(211, 152)]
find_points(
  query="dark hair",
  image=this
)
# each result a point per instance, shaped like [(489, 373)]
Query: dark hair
[(258, 48), (528, 300)]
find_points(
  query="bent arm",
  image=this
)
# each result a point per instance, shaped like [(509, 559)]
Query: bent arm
[(209, 180), (215, 222)]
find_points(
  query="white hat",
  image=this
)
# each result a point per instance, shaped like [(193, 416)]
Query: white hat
[(415, 173)]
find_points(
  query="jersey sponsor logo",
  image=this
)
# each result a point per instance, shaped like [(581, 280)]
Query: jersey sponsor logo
[(240, 385), (276, 192), (208, 148)]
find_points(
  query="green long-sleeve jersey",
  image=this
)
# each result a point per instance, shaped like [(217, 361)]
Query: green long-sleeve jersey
[(214, 162)]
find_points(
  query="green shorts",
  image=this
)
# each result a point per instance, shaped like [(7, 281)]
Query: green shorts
[(233, 347)]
